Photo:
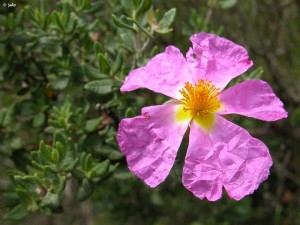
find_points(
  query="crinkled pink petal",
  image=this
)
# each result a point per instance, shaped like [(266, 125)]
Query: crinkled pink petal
[(150, 142), (216, 59), (227, 156), (165, 73), (253, 98)]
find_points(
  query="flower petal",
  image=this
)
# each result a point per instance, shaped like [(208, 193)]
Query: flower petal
[(253, 98), (216, 59), (150, 142), (227, 156), (166, 73)]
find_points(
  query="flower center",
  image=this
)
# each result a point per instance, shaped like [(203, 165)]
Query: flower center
[(200, 99)]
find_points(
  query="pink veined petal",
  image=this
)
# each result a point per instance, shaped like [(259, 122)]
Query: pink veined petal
[(194, 64), (165, 73), (227, 156), (253, 98), (150, 142), (216, 59)]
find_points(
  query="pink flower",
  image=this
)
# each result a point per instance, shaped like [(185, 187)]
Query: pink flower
[(220, 153)]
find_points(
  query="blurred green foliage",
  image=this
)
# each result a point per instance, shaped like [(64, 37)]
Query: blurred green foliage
[(61, 66)]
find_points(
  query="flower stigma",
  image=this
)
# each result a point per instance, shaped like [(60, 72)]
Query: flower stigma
[(200, 102)]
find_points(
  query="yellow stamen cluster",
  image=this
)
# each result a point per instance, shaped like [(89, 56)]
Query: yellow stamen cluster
[(200, 99)]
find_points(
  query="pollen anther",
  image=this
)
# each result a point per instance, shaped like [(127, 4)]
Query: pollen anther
[(201, 98)]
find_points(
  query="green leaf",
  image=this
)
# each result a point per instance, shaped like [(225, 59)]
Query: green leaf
[(110, 153), (92, 72), (17, 213), (15, 142), (103, 64), (47, 21), (55, 156), (143, 7), (24, 195), (112, 168), (166, 21), (91, 125), (112, 103), (69, 164), (50, 168), (118, 63), (79, 4), (19, 18), (61, 150), (83, 155), (37, 165), (58, 137), (101, 169), (83, 4), (120, 23), (136, 3), (11, 21), (294, 116), (59, 84), (29, 198), (39, 119), (111, 141), (128, 6), (87, 4), (2, 116), (95, 7), (69, 161), (226, 4), (255, 74), (129, 113), (100, 87), (46, 151), (154, 51), (88, 163), (72, 26), (78, 174), (66, 14), (7, 115), (97, 47), (128, 40), (3, 20), (46, 211), (85, 190), (56, 20), (51, 199)]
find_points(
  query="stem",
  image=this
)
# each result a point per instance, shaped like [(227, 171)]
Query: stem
[(208, 15), (140, 27), (145, 45)]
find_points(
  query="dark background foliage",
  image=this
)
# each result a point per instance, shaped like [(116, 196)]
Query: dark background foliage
[(61, 67)]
